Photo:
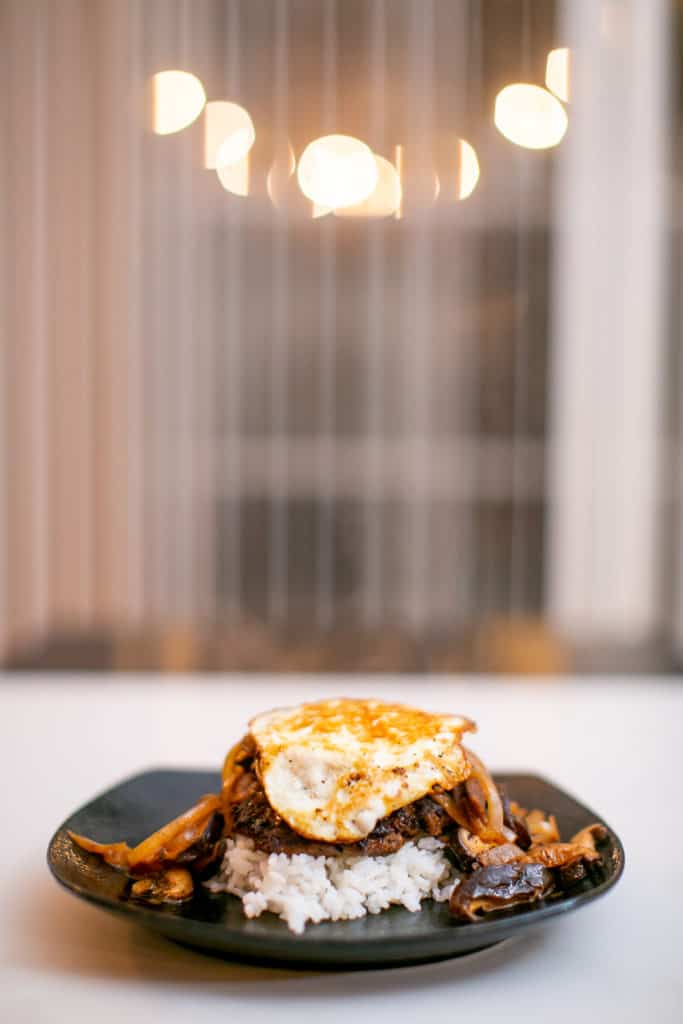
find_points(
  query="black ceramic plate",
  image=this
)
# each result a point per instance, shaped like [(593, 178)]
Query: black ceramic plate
[(143, 803)]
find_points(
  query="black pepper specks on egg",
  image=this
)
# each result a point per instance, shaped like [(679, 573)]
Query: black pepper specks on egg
[(372, 772)]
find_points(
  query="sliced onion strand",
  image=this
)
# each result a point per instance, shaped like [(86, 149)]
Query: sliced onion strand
[(495, 824)]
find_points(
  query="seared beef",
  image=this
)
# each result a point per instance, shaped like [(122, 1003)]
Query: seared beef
[(434, 818), (422, 817), (254, 817)]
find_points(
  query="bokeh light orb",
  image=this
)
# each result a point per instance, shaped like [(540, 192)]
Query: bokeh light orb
[(468, 169), (530, 116), (279, 177), (178, 99), (228, 128), (385, 198), (336, 171), (557, 69), (234, 177)]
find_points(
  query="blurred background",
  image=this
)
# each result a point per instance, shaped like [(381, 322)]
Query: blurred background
[(404, 401)]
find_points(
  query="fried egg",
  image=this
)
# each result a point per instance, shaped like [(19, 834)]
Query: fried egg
[(332, 769)]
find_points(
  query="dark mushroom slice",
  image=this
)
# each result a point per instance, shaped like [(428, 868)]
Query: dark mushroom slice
[(466, 849), (459, 854), (213, 832), (506, 853), (560, 855), (574, 860), (595, 870), (500, 887), (206, 866), (204, 855), (514, 821), (518, 826), (571, 875), (591, 835), (172, 886)]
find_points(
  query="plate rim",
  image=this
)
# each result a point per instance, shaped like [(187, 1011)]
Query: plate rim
[(309, 945)]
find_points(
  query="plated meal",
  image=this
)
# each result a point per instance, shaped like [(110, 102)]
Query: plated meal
[(338, 809)]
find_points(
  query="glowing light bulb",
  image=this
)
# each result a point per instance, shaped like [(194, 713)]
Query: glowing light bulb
[(385, 198), (468, 169), (228, 128), (336, 171), (179, 99), (557, 69), (234, 177), (530, 116)]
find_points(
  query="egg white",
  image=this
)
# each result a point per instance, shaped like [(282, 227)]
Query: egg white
[(332, 769)]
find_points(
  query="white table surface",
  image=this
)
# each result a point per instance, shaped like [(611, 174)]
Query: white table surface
[(618, 745)]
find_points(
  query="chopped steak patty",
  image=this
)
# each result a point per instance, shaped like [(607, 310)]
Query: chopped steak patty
[(254, 817)]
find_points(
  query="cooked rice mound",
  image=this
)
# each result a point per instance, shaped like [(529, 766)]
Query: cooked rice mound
[(302, 888)]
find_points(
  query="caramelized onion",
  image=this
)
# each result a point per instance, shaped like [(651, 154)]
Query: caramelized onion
[(172, 839), (476, 796), (451, 808), (542, 829), (163, 847), (232, 765), (494, 828), (114, 854), (189, 836)]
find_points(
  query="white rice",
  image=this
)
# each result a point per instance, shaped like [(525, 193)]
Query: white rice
[(302, 888)]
